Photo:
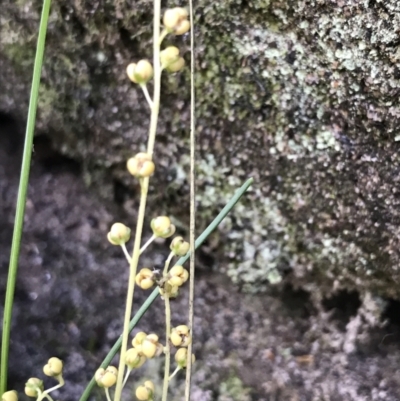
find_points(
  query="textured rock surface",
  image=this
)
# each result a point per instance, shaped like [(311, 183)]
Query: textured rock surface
[(301, 95)]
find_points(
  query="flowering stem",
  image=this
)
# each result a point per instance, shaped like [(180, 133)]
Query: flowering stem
[(143, 198)]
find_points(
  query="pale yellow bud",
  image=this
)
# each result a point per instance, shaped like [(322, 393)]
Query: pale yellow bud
[(145, 392), (140, 165), (183, 27), (141, 72), (169, 56), (145, 278), (150, 346), (106, 378), (53, 367), (180, 336), (162, 227), (119, 234), (181, 357), (177, 65), (178, 275), (11, 395), (138, 340), (33, 387), (175, 20), (134, 359)]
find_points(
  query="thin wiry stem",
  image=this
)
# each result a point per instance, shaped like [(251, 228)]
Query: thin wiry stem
[(107, 394), (126, 253), (167, 366), (149, 241), (146, 94), (192, 203)]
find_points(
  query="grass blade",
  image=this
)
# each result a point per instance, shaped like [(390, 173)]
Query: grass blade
[(22, 191)]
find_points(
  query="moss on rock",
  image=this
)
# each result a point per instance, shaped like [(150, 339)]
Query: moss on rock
[(301, 95)]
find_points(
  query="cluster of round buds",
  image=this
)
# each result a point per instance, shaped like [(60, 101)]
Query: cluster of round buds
[(181, 357), (53, 367), (162, 227), (145, 279), (141, 165), (145, 392), (33, 387), (171, 60), (134, 359), (179, 246), (147, 344), (10, 396), (175, 21), (178, 275), (106, 377), (119, 234), (180, 336), (141, 72), (138, 340)]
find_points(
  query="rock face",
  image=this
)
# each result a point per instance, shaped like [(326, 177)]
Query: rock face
[(301, 95)]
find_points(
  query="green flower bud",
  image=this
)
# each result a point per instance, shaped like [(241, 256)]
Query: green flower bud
[(33, 387), (119, 234), (179, 247)]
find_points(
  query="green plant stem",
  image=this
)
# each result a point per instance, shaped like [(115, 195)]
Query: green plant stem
[(22, 191), (152, 297), (167, 347), (143, 199)]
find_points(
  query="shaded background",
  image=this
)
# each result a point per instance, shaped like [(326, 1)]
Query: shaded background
[(298, 291)]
